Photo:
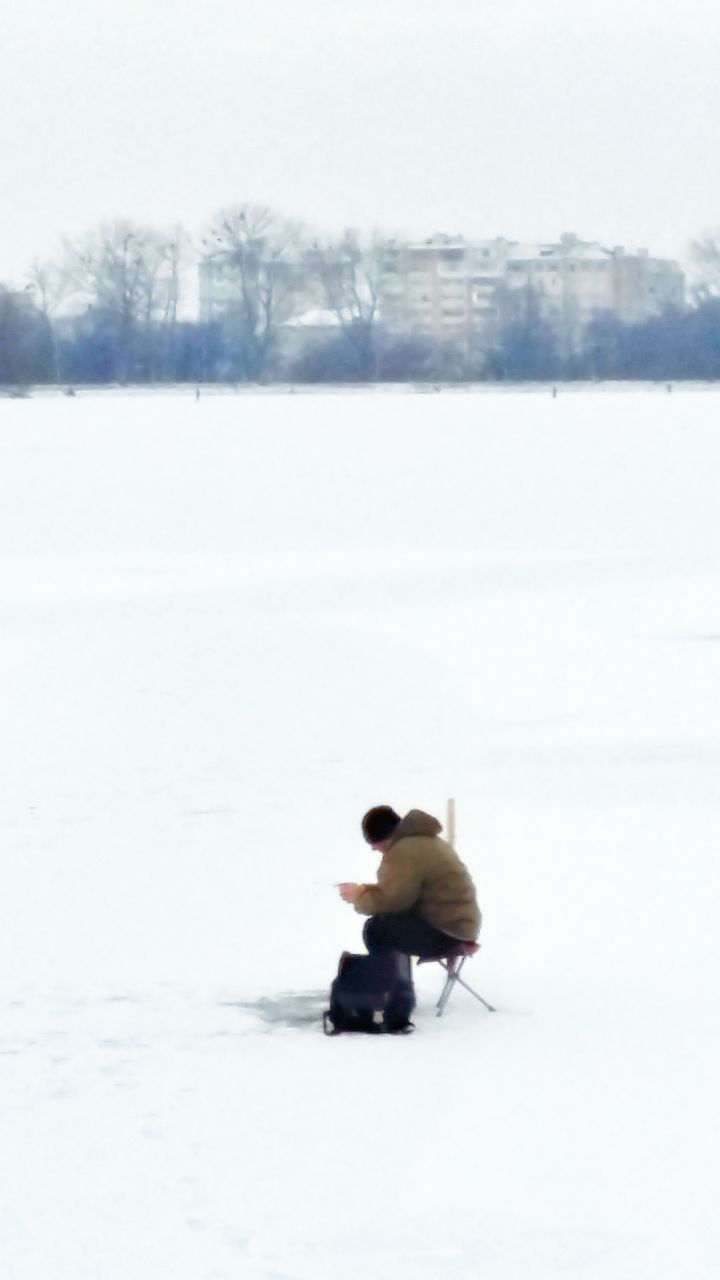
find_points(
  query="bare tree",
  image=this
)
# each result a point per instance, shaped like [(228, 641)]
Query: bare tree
[(705, 260), (351, 272), (170, 256), (526, 339), (49, 285), (129, 277), (23, 345), (254, 261)]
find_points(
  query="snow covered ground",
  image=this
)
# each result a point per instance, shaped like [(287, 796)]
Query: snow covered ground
[(230, 626)]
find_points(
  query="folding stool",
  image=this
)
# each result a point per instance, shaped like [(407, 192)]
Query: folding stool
[(453, 963)]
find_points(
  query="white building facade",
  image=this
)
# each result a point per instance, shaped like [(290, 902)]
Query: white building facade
[(575, 280), (454, 290), (444, 288)]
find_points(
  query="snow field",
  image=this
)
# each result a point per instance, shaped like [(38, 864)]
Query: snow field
[(228, 628)]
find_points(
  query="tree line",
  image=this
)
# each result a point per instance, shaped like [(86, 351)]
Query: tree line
[(110, 310)]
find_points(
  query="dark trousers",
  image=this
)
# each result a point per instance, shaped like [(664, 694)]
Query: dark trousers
[(405, 931)]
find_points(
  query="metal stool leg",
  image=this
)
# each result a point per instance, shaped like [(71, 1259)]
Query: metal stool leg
[(490, 1007), (446, 992), (453, 976)]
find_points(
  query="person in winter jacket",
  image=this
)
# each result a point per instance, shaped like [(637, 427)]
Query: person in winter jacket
[(424, 900)]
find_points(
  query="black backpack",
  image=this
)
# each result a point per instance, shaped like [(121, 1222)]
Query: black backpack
[(371, 993)]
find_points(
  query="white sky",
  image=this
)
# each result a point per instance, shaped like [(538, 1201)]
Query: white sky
[(488, 117)]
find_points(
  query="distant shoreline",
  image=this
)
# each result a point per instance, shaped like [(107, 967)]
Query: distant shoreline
[(67, 391)]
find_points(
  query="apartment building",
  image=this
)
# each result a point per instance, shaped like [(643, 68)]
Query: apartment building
[(296, 287), (451, 289), (443, 288), (574, 280)]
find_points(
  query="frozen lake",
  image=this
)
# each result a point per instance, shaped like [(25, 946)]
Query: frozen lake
[(228, 628)]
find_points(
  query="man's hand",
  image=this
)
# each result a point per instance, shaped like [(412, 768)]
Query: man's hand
[(350, 892)]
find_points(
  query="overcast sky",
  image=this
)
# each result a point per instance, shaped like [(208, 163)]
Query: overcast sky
[(522, 118)]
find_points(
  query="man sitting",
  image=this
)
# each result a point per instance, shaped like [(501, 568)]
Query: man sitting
[(424, 900)]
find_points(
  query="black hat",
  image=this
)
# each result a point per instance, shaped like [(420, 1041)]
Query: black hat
[(379, 823)]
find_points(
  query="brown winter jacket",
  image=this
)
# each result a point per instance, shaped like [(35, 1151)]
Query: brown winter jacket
[(421, 871)]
